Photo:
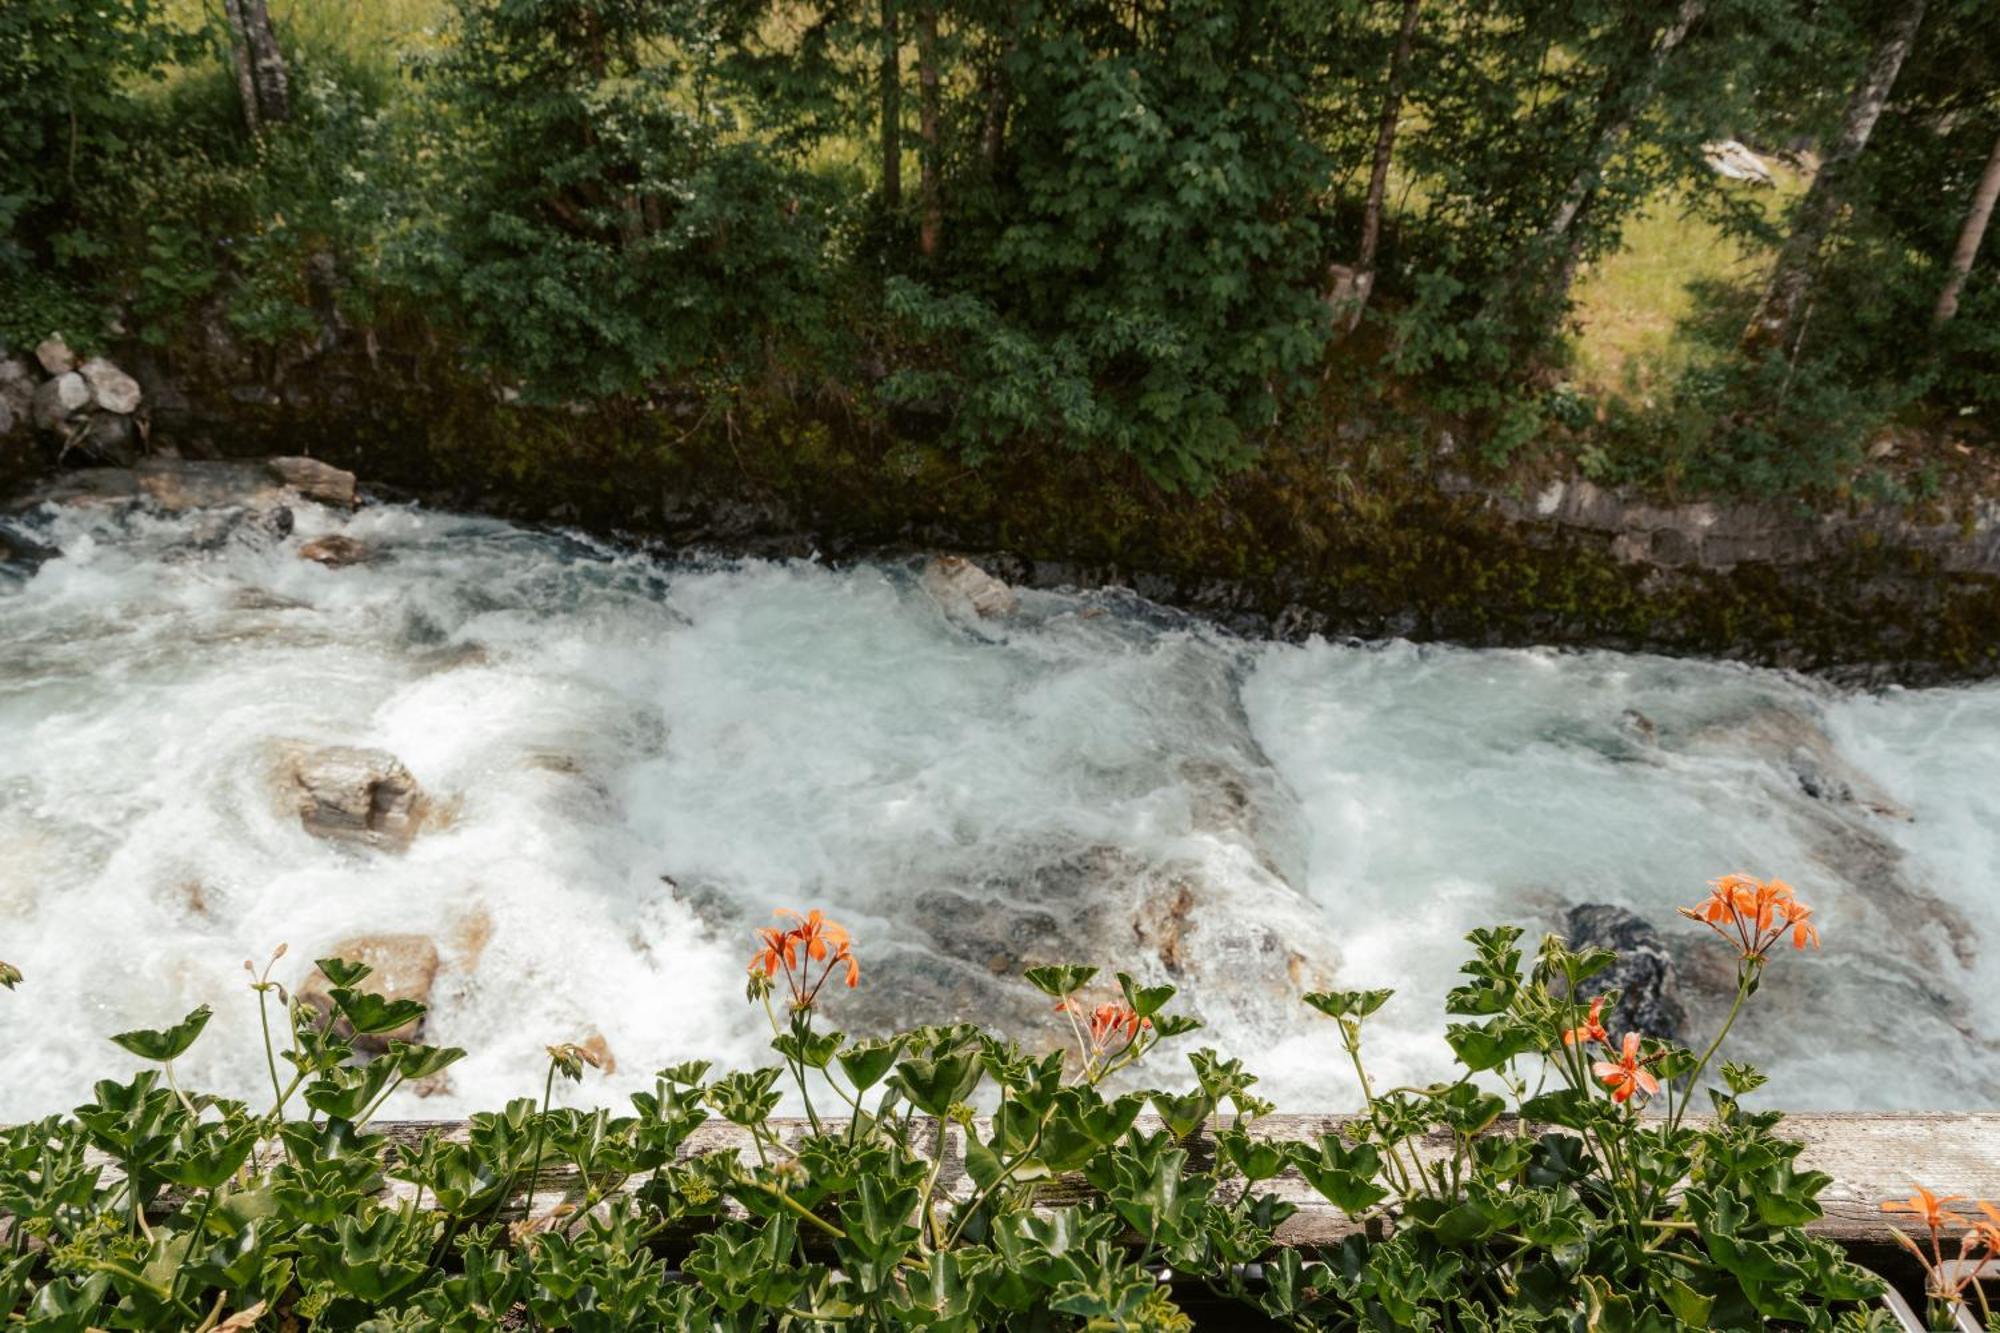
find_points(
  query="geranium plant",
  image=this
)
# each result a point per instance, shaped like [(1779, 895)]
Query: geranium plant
[(943, 1177)]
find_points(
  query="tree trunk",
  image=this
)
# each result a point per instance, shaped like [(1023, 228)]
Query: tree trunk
[(930, 183), (1349, 288), (993, 127), (892, 108), (1969, 237), (239, 50), (1772, 325), (1622, 107), (267, 64)]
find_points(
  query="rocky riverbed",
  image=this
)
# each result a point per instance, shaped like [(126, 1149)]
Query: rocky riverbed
[(550, 784)]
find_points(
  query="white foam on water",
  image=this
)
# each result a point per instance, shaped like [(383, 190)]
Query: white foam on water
[(767, 734)]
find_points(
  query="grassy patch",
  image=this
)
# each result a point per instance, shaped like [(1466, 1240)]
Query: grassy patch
[(1631, 306)]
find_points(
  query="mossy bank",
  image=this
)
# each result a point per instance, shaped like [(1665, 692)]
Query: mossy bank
[(1344, 528)]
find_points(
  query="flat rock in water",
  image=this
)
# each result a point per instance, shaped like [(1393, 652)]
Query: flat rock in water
[(347, 794), (179, 485), (315, 480)]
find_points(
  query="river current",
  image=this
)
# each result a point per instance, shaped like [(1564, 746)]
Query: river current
[(630, 762)]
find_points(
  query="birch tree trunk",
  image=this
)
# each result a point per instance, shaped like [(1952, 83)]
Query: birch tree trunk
[(1622, 108), (239, 50), (261, 82), (1348, 289), (1773, 326), (267, 63), (930, 185), (1969, 237), (892, 107)]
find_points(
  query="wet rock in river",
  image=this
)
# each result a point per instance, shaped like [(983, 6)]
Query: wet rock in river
[(315, 480), (221, 528), (1649, 993), (181, 485), (405, 968), (18, 548), (1801, 745), (361, 797), (964, 589), (333, 550)]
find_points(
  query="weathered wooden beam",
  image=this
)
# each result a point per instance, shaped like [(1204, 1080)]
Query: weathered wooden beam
[(1871, 1157)]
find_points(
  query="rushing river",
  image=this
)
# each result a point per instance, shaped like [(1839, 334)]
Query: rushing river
[(630, 763)]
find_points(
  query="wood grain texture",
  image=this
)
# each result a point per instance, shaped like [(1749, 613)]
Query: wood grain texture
[(1871, 1157)]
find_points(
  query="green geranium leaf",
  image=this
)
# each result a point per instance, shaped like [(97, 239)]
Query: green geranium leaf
[(343, 973), (1061, 981), (1348, 1003), (370, 1014), (169, 1043)]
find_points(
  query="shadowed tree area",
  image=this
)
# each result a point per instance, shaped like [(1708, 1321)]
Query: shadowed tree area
[(1163, 233)]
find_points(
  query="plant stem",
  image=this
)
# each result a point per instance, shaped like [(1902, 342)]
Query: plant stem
[(1745, 975), (535, 1159)]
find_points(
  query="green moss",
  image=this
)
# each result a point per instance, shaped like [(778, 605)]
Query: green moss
[(1347, 542)]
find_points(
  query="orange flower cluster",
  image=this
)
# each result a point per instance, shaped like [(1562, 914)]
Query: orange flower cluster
[(795, 948), (1978, 1246), (1628, 1073), (1108, 1021), (1754, 914), (1625, 1076), (1592, 1028)]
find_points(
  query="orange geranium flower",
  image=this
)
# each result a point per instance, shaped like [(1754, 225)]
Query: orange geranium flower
[(1593, 1026), (815, 934), (1100, 1036), (1754, 914), (776, 949), (794, 949), (1627, 1074), (1107, 1020), (1932, 1209), (1989, 1230), (1803, 931)]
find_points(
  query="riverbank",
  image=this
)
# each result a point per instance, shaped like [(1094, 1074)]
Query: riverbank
[(1357, 530)]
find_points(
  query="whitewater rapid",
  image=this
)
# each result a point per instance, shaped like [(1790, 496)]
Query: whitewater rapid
[(631, 761)]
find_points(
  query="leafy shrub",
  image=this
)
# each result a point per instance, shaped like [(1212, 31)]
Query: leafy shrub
[(67, 114), (601, 225), (1138, 272), (1579, 1212)]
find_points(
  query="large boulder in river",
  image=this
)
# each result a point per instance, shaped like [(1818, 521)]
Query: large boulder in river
[(964, 590), (405, 968), (345, 794), (1649, 998)]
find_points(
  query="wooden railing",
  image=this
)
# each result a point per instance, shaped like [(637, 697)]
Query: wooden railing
[(1871, 1157)]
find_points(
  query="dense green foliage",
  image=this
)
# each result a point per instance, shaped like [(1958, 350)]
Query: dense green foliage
[(1134, 266), (1014, 224), (601, 227), (217, 1216)]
